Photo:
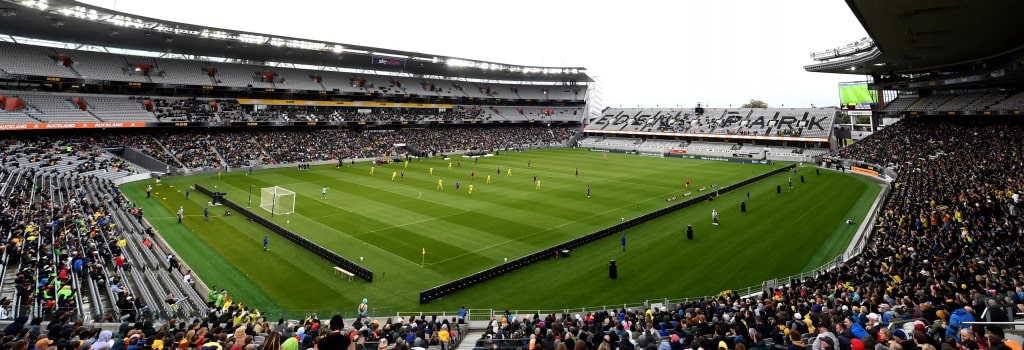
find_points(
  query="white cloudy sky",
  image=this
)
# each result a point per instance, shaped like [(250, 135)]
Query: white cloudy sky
[(646, 53)]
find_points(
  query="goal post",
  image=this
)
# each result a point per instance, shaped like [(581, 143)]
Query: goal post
[(277, 200)]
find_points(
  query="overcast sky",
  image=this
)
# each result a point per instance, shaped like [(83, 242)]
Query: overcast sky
[(645, 53)]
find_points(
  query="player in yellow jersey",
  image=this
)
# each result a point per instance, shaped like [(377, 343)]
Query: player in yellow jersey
[(431, 170), (470, 188), (488, 179), (394, 174), (440, 184), (372, 168)]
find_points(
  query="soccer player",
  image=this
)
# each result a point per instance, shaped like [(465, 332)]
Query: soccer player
[(266, 241), (372, 168), (402, 175), (457, 185), (509, 172), (470, 188), (529, 164), (538, 184), (499, 171), (323, 193), (623, 241), (449, 165), (488, 179), (431, 171), (605, 157), (577, 172), (440, 184), (588, 191), (687, 183), (206, 214), (406, 163), (534, 177), (472, 175), (149, 188), (714, 217), (181, 212), (394, 174)]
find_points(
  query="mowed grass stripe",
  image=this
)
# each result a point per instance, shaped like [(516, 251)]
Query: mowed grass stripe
[(623, 186)]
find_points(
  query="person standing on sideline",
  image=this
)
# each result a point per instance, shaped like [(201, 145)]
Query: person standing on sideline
[(266, 242), (689, 231), (181, 212), (623, 241), (714, 217), (323, 193), (748, 195), (149, 189), (206, 214), (187, 193)]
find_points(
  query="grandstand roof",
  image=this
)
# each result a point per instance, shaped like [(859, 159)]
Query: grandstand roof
[(914, 36), (57, 21)]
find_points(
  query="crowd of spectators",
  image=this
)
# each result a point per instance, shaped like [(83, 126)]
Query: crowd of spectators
[(243, 148), (57, 236), (352, 114), (944, 249), (196, 110)]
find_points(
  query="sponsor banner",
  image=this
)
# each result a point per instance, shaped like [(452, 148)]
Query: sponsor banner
[(182, 124), (388, 61), (677, 151), (743, 155), (864, 171), (279, 102), (721, 159), (76, 125), (717, 136)]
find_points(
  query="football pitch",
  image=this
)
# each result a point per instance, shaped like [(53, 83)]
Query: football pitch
[(854, 94), (415, 236)]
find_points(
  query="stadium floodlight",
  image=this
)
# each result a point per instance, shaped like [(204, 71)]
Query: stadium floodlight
[(277, 200)]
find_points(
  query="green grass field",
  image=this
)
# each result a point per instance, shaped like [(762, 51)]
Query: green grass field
[(855, 93), (389, 223)]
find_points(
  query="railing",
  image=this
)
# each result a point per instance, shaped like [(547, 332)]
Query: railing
[(861, 45)]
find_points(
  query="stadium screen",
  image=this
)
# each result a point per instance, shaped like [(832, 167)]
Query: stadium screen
[(856, 95)]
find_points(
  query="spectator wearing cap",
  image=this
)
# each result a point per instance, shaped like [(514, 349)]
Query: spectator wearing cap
[(825, 340)]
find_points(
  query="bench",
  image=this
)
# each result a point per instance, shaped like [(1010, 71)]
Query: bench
[(344, 272)]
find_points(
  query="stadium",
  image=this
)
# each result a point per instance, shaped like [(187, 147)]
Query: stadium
[(170, 183)]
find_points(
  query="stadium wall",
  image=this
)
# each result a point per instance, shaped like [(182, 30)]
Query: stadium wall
[(491, 273), (320, 251)]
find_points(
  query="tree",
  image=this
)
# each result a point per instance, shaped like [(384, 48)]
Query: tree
[(755, 104)]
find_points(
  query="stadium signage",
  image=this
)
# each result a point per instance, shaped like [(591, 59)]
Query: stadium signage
[(388, 61), (724, 136), (98, 125)]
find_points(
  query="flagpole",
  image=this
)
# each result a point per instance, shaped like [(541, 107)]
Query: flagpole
[(423, 261)]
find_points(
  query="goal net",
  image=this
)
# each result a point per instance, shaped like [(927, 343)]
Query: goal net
[(277, 200)]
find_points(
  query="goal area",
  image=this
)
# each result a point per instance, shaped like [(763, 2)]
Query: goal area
[(277, 200)]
